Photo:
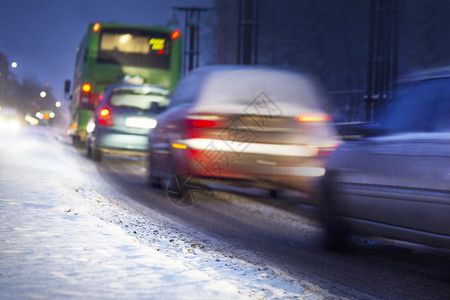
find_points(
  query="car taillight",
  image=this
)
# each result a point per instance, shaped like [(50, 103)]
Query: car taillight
[(179, 146), (105, 117), (86, 88), (200, 123), (175, 34), (314, 117), (88, 99), (96, 27), (204, 121), (105, 112)]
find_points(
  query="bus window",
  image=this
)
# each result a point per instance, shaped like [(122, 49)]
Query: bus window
[(134, 48)]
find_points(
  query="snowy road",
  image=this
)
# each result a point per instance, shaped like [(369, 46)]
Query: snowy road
[(72, 228)]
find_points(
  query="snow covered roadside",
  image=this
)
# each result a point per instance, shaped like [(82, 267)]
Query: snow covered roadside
[(66, 234)]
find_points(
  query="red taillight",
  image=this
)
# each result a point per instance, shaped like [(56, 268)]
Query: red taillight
[(105, 112), (200, 123), (86, 87), (175, 34), (96, 27), (105, 117), (314, 117)]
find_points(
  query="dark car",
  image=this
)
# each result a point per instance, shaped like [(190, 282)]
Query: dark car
[(244, 125), (123, 119), (394, 181)]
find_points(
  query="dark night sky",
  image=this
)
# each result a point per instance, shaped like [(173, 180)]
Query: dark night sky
[(42, 35)]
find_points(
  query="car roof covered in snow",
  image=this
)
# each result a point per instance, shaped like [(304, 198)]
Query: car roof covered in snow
[(231, 89)]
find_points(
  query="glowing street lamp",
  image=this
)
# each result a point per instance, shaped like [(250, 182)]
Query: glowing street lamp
[(14, 64), (58, 104), (43, 94)]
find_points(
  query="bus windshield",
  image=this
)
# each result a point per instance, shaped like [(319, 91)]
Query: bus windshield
[(134, 48)]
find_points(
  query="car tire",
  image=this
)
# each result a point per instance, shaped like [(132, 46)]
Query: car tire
[(273, 193), (336, 236), (183, 191), (88, 149), (152, 180), (76, 141), (182, 188), (96, 153)]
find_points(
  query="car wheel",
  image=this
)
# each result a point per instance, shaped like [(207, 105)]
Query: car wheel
[(182, 188), (183, 191), (88, 149), (273, 193), (335, 234), (96, 154), (152, 180), (76, 141)]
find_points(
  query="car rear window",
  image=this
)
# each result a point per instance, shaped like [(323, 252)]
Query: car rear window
[(137, 100)]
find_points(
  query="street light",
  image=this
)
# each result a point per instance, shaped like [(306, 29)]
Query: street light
[(43, 94), (14, 64)]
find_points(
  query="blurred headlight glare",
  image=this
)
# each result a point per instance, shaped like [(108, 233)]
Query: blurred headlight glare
[(14, 125), (90, 127)]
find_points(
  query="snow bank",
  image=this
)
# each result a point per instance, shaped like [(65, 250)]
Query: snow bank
[(65, 233)]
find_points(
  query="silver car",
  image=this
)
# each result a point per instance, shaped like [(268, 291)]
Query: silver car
[(394, 180), (124, 117), (244, 125)]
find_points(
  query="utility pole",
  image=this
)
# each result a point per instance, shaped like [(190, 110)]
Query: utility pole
[(248, 25), (382, 67), (4, 68), (191, 38)]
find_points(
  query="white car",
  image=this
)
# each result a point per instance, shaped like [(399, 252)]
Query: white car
[(244, 125)]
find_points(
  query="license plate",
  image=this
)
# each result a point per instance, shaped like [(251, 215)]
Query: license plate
[(140, 123)]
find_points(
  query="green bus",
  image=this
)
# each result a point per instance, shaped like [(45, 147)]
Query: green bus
[(110, 53)]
